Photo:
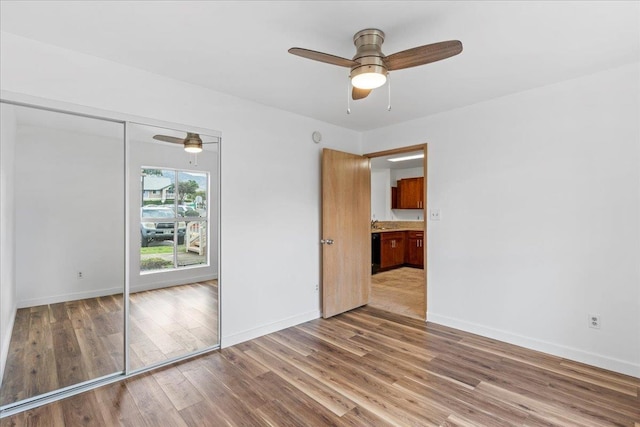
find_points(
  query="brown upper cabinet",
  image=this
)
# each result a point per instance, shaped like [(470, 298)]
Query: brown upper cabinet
[(409, 194)]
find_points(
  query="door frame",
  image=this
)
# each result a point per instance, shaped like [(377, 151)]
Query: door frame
[(412, 148)]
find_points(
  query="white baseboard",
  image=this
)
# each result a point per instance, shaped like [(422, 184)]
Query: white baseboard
[(228, 341), (168, 283), (6, 341), (593, 359), (72, 296)]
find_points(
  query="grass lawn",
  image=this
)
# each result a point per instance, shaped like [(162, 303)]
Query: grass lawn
[(160, 250)]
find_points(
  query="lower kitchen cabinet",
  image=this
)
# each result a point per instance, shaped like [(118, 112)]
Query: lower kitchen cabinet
[(398, 248), (414, 254), (392, 245)]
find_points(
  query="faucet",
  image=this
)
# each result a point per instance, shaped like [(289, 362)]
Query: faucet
[(374, 223)]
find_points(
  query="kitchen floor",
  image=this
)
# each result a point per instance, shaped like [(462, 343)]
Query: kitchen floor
[(401, 291)]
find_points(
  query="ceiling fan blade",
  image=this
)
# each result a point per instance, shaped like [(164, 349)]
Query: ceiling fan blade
[(167, 138), (423, 55), (357, 93), (323, 57)]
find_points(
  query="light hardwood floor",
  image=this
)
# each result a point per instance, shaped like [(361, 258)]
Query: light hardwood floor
[(58, 345), (366, 367), (401, 290)]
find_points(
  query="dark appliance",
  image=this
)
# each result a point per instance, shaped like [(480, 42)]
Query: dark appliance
[(375, 252)]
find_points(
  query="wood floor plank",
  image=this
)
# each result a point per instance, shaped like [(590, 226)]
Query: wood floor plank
[(326, 396), (117, 405), (44, 416), (366, 367), (231, 410), (154, 405), (61, 344), (248, 365), (178, 389)]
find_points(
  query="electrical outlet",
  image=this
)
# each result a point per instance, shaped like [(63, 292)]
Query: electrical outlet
[(80, 275), (317, 287), (435, 214), (595, 321)]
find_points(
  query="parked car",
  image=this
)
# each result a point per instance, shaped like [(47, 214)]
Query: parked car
[(187, 211), (156, 230)]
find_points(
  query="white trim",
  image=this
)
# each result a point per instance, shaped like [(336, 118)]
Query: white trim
[(83, 110), (7, 340), (570, 353), (250, 334), (170, 282), (72, 296)]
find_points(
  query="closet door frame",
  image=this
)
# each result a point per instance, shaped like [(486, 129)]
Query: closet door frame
[(28, 101)]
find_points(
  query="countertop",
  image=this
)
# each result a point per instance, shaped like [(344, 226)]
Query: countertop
[(386, 230), (390, 226)]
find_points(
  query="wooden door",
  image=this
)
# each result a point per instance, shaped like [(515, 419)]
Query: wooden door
[(346, 231)]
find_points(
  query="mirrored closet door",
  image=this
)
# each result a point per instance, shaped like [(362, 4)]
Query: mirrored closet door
[(173, 300), (108, 250), (63, 264)]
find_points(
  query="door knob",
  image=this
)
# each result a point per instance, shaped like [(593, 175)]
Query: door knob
[(327, 241)]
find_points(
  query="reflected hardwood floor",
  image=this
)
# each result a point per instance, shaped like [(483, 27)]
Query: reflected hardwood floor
[(169, 322), (401, 290), (58, 345), (366, 367)]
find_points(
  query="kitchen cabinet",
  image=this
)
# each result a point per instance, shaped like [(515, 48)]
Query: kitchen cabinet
[(414, 254), (392, 245), (410, 193)]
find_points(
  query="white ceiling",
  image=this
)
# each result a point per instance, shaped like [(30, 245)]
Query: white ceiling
[(240, 48)]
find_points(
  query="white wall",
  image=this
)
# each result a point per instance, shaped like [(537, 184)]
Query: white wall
[(7, 236), (540, 200), (69, 206), (270, 222), (381, 195)]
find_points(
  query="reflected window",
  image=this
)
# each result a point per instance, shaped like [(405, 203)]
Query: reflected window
[(173, 219)]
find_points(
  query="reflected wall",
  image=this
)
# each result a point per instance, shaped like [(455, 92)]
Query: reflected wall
[(66, 212)]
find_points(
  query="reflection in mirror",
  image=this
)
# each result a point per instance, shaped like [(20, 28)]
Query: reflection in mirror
[(174, 288), (62, 251)]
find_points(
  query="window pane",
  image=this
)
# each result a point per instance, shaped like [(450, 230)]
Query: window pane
[(194, 250), (158, 189), (192, 194), (156, 252)]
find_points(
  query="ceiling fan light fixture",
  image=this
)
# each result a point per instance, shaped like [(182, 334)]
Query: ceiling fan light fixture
[(193, 143), (368, 77)]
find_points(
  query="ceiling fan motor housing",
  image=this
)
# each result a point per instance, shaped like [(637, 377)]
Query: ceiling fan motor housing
[(369, 52), (193, 143)]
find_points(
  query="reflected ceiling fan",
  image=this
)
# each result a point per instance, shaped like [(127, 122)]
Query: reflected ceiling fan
[(369, 66), (192, 143)]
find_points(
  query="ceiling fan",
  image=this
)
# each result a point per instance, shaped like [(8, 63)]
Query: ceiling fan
[(192, 143), (369, 66)]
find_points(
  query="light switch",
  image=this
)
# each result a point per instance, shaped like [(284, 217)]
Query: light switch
[(435, 214)]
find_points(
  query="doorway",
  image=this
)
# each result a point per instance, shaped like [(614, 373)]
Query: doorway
[(398, 228)]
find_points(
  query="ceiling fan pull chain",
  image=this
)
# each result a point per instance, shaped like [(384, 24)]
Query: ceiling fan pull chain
[(389, 85), (195, 160), (348, 94)]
